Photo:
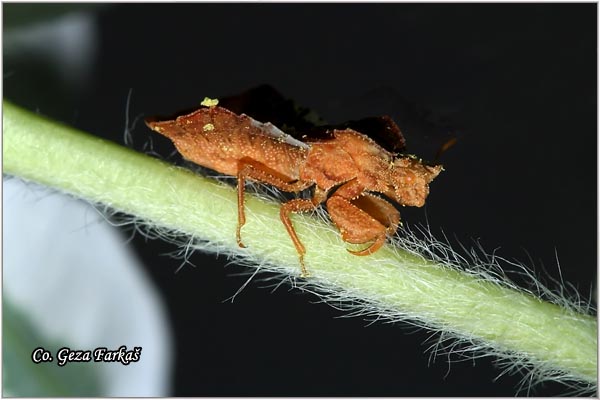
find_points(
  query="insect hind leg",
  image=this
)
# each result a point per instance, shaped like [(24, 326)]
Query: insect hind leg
[(241, 213), (296, 205), (250, 169)]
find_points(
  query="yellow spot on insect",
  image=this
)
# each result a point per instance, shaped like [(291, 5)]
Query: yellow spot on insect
[(208, 127), (208, 102)]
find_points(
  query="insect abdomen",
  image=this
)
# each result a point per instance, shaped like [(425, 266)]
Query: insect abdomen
[(218, 139)]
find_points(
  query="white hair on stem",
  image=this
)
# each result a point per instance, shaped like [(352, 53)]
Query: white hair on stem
[(420, 242)]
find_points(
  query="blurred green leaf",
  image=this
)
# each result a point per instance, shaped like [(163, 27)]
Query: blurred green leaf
[(19, 15), (22, 377)]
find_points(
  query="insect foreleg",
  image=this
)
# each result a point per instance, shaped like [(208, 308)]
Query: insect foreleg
[(379, 209), (248, 169), (376, 245), (364, 219)]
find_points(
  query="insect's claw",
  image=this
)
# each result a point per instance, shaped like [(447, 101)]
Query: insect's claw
[(371, 249), (359, 252)]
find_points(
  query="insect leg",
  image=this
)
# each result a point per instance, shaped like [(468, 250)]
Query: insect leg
[(365, 219), (296, 205), (249, 169), (371, 249), (380, 209), (241, 186)]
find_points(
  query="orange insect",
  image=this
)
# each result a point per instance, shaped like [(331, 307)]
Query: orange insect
[(346, 168)]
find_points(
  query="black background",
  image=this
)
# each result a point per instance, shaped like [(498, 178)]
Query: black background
[(516, 83)]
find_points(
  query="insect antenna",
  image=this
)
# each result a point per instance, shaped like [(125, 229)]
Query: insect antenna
[(444, 147)]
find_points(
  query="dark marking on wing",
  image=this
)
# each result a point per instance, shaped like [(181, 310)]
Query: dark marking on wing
[(265, 104)]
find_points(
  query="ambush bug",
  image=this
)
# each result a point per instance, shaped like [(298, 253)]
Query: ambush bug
[(346, 168)]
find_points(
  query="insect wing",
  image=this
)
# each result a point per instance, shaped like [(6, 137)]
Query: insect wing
[(383, 130), (266, 104), (281, 118)]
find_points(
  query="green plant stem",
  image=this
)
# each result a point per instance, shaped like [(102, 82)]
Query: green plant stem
[(166, 196)]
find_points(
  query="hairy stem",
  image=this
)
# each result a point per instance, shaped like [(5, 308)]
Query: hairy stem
[(507, 321)]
